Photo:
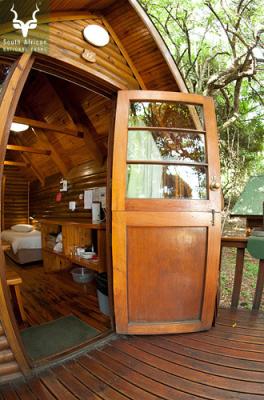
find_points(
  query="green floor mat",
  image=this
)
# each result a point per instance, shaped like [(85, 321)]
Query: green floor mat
[(56, 336)]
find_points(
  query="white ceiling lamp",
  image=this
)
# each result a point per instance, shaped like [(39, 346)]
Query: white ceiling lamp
[(96, 35), (15, 127)]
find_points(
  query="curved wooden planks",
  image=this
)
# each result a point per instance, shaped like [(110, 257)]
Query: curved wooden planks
[(154, 367), (7, 110)]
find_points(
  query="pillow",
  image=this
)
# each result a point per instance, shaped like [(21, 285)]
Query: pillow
[(22, 228)]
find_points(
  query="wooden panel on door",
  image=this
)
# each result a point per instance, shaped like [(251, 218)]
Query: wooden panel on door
[(166, 280), (144, 286)]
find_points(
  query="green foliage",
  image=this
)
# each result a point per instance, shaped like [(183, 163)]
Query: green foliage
[(251, 271), (212, 43)]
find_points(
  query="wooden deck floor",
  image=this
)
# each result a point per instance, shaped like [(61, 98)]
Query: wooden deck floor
[(225, 363)]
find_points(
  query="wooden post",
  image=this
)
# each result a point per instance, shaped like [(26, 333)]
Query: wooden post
[(28, 210), (3, 202), (259, 286), (240, 243), (238, 277)]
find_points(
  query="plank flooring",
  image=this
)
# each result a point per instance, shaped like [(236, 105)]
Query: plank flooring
[(48, 296), (226, 362)]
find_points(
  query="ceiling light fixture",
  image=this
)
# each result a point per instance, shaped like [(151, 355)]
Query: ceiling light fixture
[(15, 127), (96, 35)]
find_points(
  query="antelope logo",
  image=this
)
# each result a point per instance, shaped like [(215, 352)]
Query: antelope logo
[(25, 26)]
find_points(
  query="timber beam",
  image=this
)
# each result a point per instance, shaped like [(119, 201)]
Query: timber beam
[(55, 156), (80, 119), (45, 142), (30, 163), (79, 116), (46, 126), (16, 164), (27, 149), (33, 168)]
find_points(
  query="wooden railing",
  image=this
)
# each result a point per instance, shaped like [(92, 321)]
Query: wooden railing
[(240, 243)]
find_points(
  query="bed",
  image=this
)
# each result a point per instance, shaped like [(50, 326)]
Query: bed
[(25, 247)]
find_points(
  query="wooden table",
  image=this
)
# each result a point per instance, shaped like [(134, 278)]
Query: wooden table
[(14, 281)]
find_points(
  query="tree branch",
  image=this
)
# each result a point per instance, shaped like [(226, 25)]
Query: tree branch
[(209, 5), (229, 122), (237, 95), (222, 90), (257, 94)]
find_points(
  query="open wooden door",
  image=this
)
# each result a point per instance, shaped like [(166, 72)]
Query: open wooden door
[(166, 212)]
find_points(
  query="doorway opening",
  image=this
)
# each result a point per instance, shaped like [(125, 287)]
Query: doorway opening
[(56, 215)]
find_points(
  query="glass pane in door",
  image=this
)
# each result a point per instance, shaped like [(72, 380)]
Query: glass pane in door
[(166, 114), (154, 181), (167, 151), (166, 145)]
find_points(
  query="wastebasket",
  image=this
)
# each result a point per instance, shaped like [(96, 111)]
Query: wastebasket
[(102, 293)]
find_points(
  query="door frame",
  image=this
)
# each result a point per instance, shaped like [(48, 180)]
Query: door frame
[(13, 90), (9, 101)]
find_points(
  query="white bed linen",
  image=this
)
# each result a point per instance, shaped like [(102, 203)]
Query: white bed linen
[(22, 240)]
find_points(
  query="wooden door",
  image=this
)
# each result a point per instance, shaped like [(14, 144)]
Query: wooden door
[(166, 212)]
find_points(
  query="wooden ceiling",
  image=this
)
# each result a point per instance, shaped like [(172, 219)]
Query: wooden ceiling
[(79, 121), (66, 120), (49, 6), (69, 5)]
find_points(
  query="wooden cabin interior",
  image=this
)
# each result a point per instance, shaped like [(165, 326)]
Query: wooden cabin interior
[(75, 99), (35, 162)]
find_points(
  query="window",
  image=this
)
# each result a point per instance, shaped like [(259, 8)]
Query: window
[(166, 156)]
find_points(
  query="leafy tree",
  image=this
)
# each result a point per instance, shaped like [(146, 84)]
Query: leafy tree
[(213, 45)]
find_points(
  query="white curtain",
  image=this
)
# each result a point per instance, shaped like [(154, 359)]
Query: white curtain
[(144, 181)]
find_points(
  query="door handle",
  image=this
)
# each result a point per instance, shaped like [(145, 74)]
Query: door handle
[(214, 184)]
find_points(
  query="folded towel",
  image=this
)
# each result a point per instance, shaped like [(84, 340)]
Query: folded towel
[(59, 238), (58, 247)]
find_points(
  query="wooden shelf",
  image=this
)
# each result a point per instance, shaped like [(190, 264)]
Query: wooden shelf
[(57, 253), (95, 265), (63, 222), (74, 233)]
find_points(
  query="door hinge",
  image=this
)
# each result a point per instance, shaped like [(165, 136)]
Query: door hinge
[(213, 217)]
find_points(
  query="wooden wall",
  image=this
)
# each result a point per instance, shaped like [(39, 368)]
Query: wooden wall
[(66, 43), (141, 47), (15, 198), (43, 199)]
